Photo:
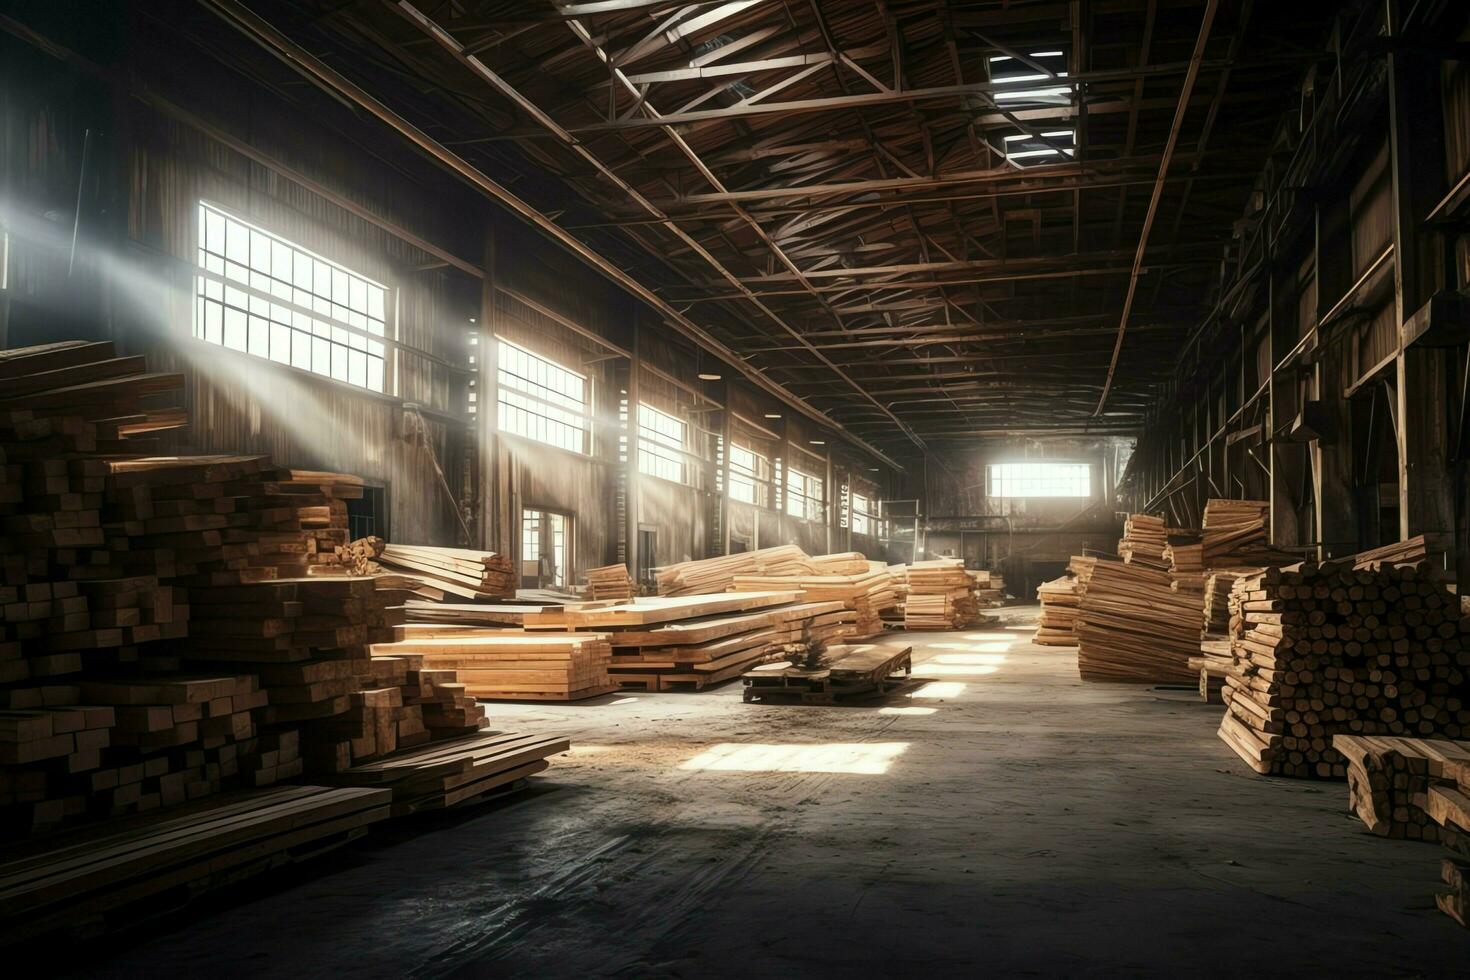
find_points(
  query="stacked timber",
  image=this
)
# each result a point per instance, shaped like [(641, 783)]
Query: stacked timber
[(692, 642), (710, 575), (1217, 598), (1235, 534), (990, 588), (940, 595), (1185, 557), (174, 626), (1057, 624), (1417, 789), (1133, 625), (1328, 649), (460, 572), (1214, 664), (842, 563), (865, 593), (610, 582), (511, 665), (1144, 539)]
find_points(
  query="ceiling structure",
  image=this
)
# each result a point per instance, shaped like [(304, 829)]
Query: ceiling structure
[(933, 221)]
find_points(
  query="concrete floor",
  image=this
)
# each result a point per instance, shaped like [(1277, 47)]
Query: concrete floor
[(1026, 823)]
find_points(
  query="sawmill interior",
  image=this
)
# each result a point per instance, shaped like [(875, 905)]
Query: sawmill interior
[(735, 487)]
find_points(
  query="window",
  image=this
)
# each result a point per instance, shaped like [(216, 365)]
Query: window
[(660, 444), (541, 400), (1040, 479), (861, 516), (748, 477), (804, 495), (260, 294)]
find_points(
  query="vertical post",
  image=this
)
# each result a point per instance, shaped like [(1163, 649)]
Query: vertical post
[(723, 487), (830, 512), (630, 465), (488, 407)]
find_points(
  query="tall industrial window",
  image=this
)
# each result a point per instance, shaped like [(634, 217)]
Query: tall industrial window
[(258, 293), (861, 515), (661, 444), (1040, 479), (804, 495), (542, 400), (749, 475)]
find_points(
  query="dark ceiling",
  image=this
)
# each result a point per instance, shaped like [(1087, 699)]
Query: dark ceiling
[(921, 217)]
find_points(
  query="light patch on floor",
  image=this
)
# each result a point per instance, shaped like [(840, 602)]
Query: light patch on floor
[(932, 669), (622, 701), (939, 689), (968, 658), (994, 647), (861, 758), (907, 711)]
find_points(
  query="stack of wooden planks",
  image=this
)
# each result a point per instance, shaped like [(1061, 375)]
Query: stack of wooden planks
[(1417, 789), (511, 665), (710, 575), (990, 588), (610, 582), (441, 775), (1217, 598), (867, 593), (460, 572), (1057, 624), (1144, 539), (939, 595), (142, 867), (1185, 556), (1133, 625), (692, 642), (842, 563), (1235, 534), (1214, 664), (175, 626), (1327, 649)]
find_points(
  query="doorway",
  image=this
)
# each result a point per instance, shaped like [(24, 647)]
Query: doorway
[(647, 550), (545, 548)]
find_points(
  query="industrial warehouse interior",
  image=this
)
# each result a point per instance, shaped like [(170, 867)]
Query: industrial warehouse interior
[(681, 488)]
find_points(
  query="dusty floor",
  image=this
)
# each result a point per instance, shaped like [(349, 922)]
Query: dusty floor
[(1026, 823)]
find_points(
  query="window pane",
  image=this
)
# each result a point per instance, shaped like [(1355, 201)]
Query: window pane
[(1040, 479)]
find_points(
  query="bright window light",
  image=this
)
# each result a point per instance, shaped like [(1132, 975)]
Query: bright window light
[(661, 444), (861, 758), (260, 294), (1011, 95), (749, 475), (541, 400), (805, 495), (1039, 479)]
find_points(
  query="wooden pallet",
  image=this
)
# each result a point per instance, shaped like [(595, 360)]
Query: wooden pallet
[(853, 673)]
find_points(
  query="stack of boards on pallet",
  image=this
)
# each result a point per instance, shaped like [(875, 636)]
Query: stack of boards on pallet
[(1327, 649), (1057, 624), (460, 572), (710, 575), (1133, 625), (939, 595), (173, 627), (840, 673), (1144, 539), (1417, 789), (610, 582), (498, 664), (673, 643)]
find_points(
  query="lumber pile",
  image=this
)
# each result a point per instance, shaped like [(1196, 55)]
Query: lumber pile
[(1057, 624), (1144, 539), (1217, 598), (460, 572), (709, 575), (1133, 625), (1214, 664), (1235, 534), (865, 593), (1327, 649), (511, 665), (442, 775), (1184, 555), (172, 627), (989, 588), (842, 563), (939, 595), (610, 582), (1417, 789), (79, 881), (841, 673)]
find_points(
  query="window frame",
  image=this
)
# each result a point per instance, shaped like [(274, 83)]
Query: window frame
[(1000, 485), (799, 484), (662, 455), (756, 476), (514, 397), (262, 293)]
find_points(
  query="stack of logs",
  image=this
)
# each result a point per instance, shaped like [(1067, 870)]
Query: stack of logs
[(1133, 625), (1326, 649), (1417, 789), (1057, 624)]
